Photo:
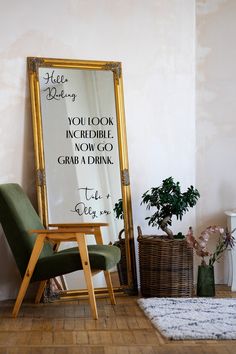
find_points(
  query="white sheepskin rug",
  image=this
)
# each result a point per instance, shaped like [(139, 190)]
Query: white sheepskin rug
[(192, 318)]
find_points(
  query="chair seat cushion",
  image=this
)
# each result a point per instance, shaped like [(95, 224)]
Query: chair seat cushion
[(102, 257)]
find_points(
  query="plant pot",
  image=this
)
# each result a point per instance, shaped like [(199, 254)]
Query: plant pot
[(122, 265), (166, 267), (206, 281)]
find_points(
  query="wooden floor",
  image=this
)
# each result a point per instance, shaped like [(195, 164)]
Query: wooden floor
[(67, 328)]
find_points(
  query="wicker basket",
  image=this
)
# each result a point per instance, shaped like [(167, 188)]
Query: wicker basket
[(166, 267), (122, 265)]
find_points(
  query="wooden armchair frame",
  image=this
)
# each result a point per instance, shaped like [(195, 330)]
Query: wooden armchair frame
[(66, 233)]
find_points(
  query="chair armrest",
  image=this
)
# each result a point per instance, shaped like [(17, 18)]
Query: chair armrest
[(69, 233), (86, 228), (79, 225), (56, 231), (58, 235)]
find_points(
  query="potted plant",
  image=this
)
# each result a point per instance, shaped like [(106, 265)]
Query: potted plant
[(166, 262), (121, 266), (118, 209), (121, 243), (205, 279), (169, 201)]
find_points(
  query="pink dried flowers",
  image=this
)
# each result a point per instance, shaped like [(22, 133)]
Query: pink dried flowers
[(225, 240)]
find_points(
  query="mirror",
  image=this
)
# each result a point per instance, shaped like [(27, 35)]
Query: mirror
[(81, 151)]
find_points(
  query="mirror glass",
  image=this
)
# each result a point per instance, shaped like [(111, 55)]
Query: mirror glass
[(81, 153), (81, 147)]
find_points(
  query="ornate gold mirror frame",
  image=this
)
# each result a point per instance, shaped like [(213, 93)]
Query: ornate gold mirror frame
[(53, 88)]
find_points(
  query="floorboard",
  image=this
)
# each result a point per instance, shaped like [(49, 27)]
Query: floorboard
[(67, 328)]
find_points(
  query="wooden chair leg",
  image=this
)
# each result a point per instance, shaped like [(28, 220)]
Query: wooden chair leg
[(28, 274), (87, 273), (98, 237), (110, 287), (63, 282), (40, 291)]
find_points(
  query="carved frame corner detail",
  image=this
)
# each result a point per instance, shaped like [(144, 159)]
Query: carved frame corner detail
[(34, 63), (115, 67)]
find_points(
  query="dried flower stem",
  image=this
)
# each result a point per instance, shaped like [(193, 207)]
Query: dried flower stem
[(226, 240)]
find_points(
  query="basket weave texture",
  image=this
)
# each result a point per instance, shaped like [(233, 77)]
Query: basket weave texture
[(122, 265), (166, 267)]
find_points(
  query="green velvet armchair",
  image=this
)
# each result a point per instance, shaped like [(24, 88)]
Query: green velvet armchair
[(32, 248)]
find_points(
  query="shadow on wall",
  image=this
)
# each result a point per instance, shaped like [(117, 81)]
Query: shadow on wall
[(9, 274), (10, 278), (28, 164)]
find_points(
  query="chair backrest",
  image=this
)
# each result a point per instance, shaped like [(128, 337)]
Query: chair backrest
[(17, 217)]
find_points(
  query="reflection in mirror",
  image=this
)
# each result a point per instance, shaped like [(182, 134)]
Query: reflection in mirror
[(80, 145), (81, 156)]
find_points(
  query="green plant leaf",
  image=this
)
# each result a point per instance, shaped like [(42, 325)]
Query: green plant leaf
[(168, 201)]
